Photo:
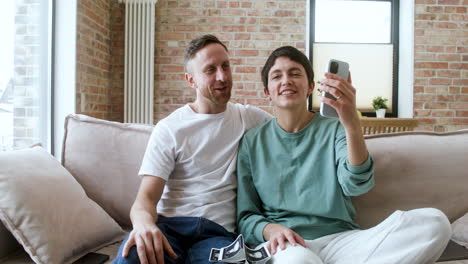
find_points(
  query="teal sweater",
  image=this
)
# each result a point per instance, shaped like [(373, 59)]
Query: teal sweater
[(300, 180)]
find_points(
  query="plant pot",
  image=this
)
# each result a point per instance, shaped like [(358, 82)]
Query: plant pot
[(380, 113)]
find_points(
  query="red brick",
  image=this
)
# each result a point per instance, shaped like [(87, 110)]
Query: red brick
[(246, 69), (457, 105), (431, 65), (418, 89), (233, 28), (427, 121), (461, 98), (442, 113), (425, 17), (246, 53), (449, 2), (423, 113), (246, 4), (221, 4), (463, 82), (242, 36), (448, 73), (446, 25), (445, 98), (233, 4), (435, 48), (440, 81), (424, 97), (285, 13), (462, 113), (258, 101), (459, 121), (427, 2), (246, 93), (435, 106), (448, 57), (424, 73)]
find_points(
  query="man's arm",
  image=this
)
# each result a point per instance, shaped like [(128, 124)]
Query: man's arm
[(149, 240)]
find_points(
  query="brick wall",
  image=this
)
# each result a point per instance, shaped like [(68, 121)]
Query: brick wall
[(441, 67), (93, 68), (26, 86), (252, 29)]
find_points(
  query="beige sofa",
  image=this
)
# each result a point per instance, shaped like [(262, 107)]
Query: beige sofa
[(413, 170)]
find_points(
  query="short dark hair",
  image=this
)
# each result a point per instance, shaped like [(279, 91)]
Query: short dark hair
[(291, 53), (197, 44)]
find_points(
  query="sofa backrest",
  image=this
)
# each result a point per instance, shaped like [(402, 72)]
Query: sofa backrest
[(414, 170), (105, 157)]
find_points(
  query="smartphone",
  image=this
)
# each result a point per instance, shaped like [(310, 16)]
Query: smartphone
[(341, 69), (93, 258)]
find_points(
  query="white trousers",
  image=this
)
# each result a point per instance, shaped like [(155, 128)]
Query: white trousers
[(412, 237)]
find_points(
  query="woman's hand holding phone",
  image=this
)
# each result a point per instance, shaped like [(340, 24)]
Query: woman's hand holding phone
[(345, 94)]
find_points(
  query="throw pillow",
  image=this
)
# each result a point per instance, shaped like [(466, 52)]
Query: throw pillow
[(47, 210), (460, 230)]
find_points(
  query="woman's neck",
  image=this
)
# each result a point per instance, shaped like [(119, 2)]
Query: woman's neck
[(293, 121)]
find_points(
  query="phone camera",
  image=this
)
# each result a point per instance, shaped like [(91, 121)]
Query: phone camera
[(334, 67)]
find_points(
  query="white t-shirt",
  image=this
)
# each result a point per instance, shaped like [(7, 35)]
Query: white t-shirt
[(196, 154)]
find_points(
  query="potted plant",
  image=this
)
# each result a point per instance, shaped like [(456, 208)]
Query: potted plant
[(380, 106)]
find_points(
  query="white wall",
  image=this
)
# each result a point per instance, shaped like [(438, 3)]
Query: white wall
[(406, 67), (65, 64)]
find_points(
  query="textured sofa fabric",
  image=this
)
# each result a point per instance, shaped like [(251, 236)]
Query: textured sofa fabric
[(105, 158), (413, 169)]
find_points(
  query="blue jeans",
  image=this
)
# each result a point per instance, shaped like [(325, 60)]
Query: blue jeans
[(192, 239)]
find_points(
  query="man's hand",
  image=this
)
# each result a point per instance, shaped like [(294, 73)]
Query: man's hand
[(278, 235), (150, 244)]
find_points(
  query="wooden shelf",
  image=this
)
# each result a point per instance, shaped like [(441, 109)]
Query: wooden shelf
[(372, 125)]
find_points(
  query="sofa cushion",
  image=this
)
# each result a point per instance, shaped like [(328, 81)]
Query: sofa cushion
[(460, 230), (414, 170), (105, 157), (47, 211)]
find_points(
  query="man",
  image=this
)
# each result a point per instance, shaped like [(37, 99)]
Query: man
[(298, 172), (188, 168)]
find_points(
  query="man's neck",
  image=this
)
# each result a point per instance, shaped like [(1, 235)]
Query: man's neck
[(200, 108), (293, 121)]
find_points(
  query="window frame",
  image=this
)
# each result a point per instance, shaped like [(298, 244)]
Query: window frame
[(394, 40)]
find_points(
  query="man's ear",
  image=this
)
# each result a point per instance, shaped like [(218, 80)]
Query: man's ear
[(190, 80)]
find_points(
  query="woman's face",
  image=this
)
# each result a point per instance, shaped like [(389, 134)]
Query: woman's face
[(288, 86)]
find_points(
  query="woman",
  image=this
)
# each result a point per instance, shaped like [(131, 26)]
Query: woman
[(298, 172)]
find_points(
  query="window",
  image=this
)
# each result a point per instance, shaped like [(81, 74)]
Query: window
[(364, 34), (25, 71)]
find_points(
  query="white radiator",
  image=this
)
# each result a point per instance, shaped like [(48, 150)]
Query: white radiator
[(139, 60)]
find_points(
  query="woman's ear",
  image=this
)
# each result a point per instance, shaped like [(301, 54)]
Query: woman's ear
[(311, 88), (267, 93)]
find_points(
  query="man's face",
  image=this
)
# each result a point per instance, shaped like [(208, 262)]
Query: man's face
[(288, 85), (209, 73)]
